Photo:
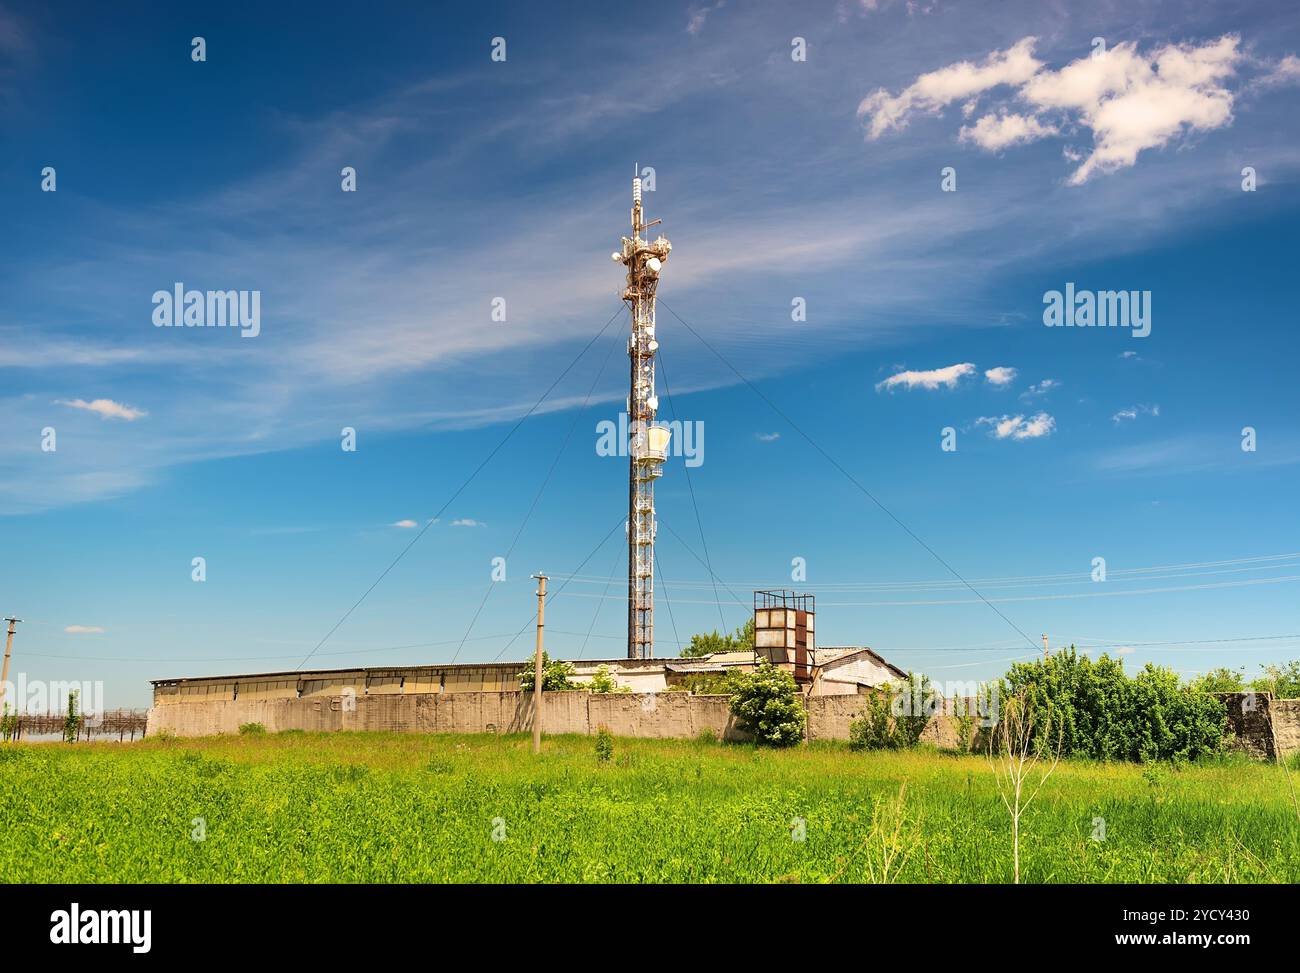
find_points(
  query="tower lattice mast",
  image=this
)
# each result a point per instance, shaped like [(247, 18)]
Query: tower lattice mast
[(648, 443)]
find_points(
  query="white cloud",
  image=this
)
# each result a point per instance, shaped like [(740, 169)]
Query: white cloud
[(1286, 71), (1132, 102), (1040, 388), (84, 630), (1122, 650), (1134, 412), (467, 522), (405, 524), (956, 82), (1002, 375), (104, 408), (768, 437), (932, 379), (696, 17), (1018, 427), (995, 132), (1128, 100), (1122, 354)]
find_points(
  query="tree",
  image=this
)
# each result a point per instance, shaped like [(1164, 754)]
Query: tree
[(555, 675), (1282, 681), (766, 704), (1221, 680), (72, 721), (1101, 712), (711, 642)]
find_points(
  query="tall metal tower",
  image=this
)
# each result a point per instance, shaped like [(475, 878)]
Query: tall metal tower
[(648, 446)]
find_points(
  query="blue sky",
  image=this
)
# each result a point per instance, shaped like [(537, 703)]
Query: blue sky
[(776, 179)]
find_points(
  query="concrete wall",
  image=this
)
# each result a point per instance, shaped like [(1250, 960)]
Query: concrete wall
[(660, 715), (1250, 723), (1258, 724), (1286, 726)]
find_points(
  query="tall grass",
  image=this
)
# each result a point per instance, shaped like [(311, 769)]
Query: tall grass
[(404, 807)]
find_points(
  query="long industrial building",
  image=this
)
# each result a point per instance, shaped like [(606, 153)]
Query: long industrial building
[(840, 670)]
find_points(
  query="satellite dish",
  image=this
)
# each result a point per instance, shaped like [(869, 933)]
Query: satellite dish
[(653, 265)]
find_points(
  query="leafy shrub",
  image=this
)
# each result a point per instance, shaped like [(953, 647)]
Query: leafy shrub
[(710, 683), (715, 641), (1222, 680), (604, 744), (706, 736), (251, 729), (765, 703), (965, 730), (895, 715), (1282, 681), (72, 721), (556, 675), (601, 682), (1102, 713)]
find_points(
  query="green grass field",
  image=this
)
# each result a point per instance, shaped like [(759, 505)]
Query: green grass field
[(407, 808)]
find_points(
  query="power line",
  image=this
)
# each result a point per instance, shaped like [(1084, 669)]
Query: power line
[(613, 574), (414, 540), (739, 600), (849, 476), (668, 602), (1045, 580), (704, 545), (930, 603), (538, 496), (557, 591)]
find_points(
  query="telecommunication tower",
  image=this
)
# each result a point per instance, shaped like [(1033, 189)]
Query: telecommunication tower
[(648, 443)]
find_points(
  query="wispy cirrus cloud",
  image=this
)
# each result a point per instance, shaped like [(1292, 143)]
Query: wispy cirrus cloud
[(1040, 388), (1125, 415), (105, 408)]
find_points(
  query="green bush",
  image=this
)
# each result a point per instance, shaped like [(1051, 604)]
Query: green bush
[(765, 702), (710, 683), (601, 682), (1102, 713), (894, 716), (1222, 680), (251, 729), (709, 643), (556, 675), (72, 721), (1282, 681), (604, 745), (706, 736)]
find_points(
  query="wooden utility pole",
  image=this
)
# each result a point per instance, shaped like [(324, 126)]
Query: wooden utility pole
[(1045, 652), (4, 673), (537, 664)]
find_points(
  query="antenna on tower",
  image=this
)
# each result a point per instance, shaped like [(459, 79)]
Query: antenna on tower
[(648, 446)]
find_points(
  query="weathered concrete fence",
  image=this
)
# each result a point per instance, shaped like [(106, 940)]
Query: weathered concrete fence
[(624, 714), (1258, 724)]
